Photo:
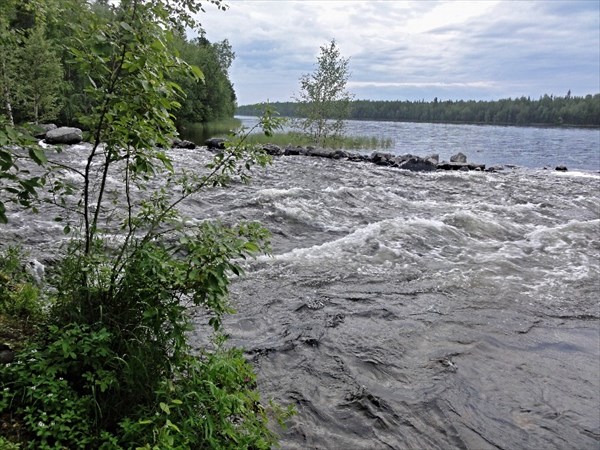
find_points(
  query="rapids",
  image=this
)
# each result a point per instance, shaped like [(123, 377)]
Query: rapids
[(424, 310), (406, 310)]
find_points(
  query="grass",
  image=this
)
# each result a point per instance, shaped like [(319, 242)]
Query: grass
[(338, 142)]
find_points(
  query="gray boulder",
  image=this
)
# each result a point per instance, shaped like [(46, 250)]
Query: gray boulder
[(561, 168), (43, 128), (417, 164), (64, 135), (459, 158)]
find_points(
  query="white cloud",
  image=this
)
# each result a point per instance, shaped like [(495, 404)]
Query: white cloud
[(414, 49)]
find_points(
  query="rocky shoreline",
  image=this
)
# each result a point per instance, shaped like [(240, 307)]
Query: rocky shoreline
[(430, 163), (410, 162)]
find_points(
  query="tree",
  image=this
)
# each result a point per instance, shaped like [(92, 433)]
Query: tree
[(113, 367), (40, 88), (324, 101)]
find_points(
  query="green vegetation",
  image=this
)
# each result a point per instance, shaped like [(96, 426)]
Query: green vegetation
[(105, 361), (323, 101), (334, 142), (547, 110), (38, 81)]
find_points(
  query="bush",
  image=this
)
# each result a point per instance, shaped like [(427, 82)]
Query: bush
[(19, 296)]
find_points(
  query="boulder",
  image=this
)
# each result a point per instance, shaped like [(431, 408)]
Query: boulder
[(383, 159), (7, 355), (64, 135), (43, 128), (215, 143), (417, 164), (434, 158), (561, 168), (178, 143), (339, 154), (459, 158)]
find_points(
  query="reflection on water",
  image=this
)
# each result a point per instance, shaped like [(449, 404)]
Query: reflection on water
[(200, 132)]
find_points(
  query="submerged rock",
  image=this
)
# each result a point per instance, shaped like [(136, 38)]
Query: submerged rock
[(561, 168)]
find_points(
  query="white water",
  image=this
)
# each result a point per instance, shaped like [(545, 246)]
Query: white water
[(411, 310)]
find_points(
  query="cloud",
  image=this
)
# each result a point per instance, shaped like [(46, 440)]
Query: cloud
[(414, 49)]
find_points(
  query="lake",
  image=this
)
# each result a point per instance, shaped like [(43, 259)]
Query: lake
[(532, 147)]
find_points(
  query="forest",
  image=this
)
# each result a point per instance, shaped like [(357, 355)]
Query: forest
[(38, 83), (548, 110)]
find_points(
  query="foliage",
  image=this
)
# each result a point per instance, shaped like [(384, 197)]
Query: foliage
[(19, 296), (40, 84), (113, 367), (213, 98), (18, 185), (323, 99), (547, 110)]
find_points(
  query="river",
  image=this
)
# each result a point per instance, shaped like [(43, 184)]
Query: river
[(404, 310)]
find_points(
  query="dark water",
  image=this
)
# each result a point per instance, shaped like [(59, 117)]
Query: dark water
[(404, 310), (486, 144)]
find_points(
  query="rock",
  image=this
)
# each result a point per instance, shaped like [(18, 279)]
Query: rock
[(7, 354), (382, 159), (561, 168), (43, 128), (64, 135), (215, 143), (459, 158), (339, 154), (273, 150), (357, 157), (444, 165), (417, 164), (319, 152), (434, 158), (292, 151), (178, 143)]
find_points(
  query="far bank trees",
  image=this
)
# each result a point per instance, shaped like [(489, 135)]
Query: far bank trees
[(324, 102)]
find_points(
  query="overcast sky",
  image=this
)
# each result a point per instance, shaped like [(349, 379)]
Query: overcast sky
[(412, 50)]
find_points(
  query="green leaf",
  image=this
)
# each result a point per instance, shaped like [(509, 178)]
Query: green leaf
[(38, 155), (126, 26), (197, 72), (172, 425), (165, 407)]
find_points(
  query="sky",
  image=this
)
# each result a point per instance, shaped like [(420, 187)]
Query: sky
[(413, 50)]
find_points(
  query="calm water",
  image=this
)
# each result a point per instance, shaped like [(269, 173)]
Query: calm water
[(485, 144), (402, 310)]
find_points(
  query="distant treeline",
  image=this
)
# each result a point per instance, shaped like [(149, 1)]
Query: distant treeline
[(547, 110)]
